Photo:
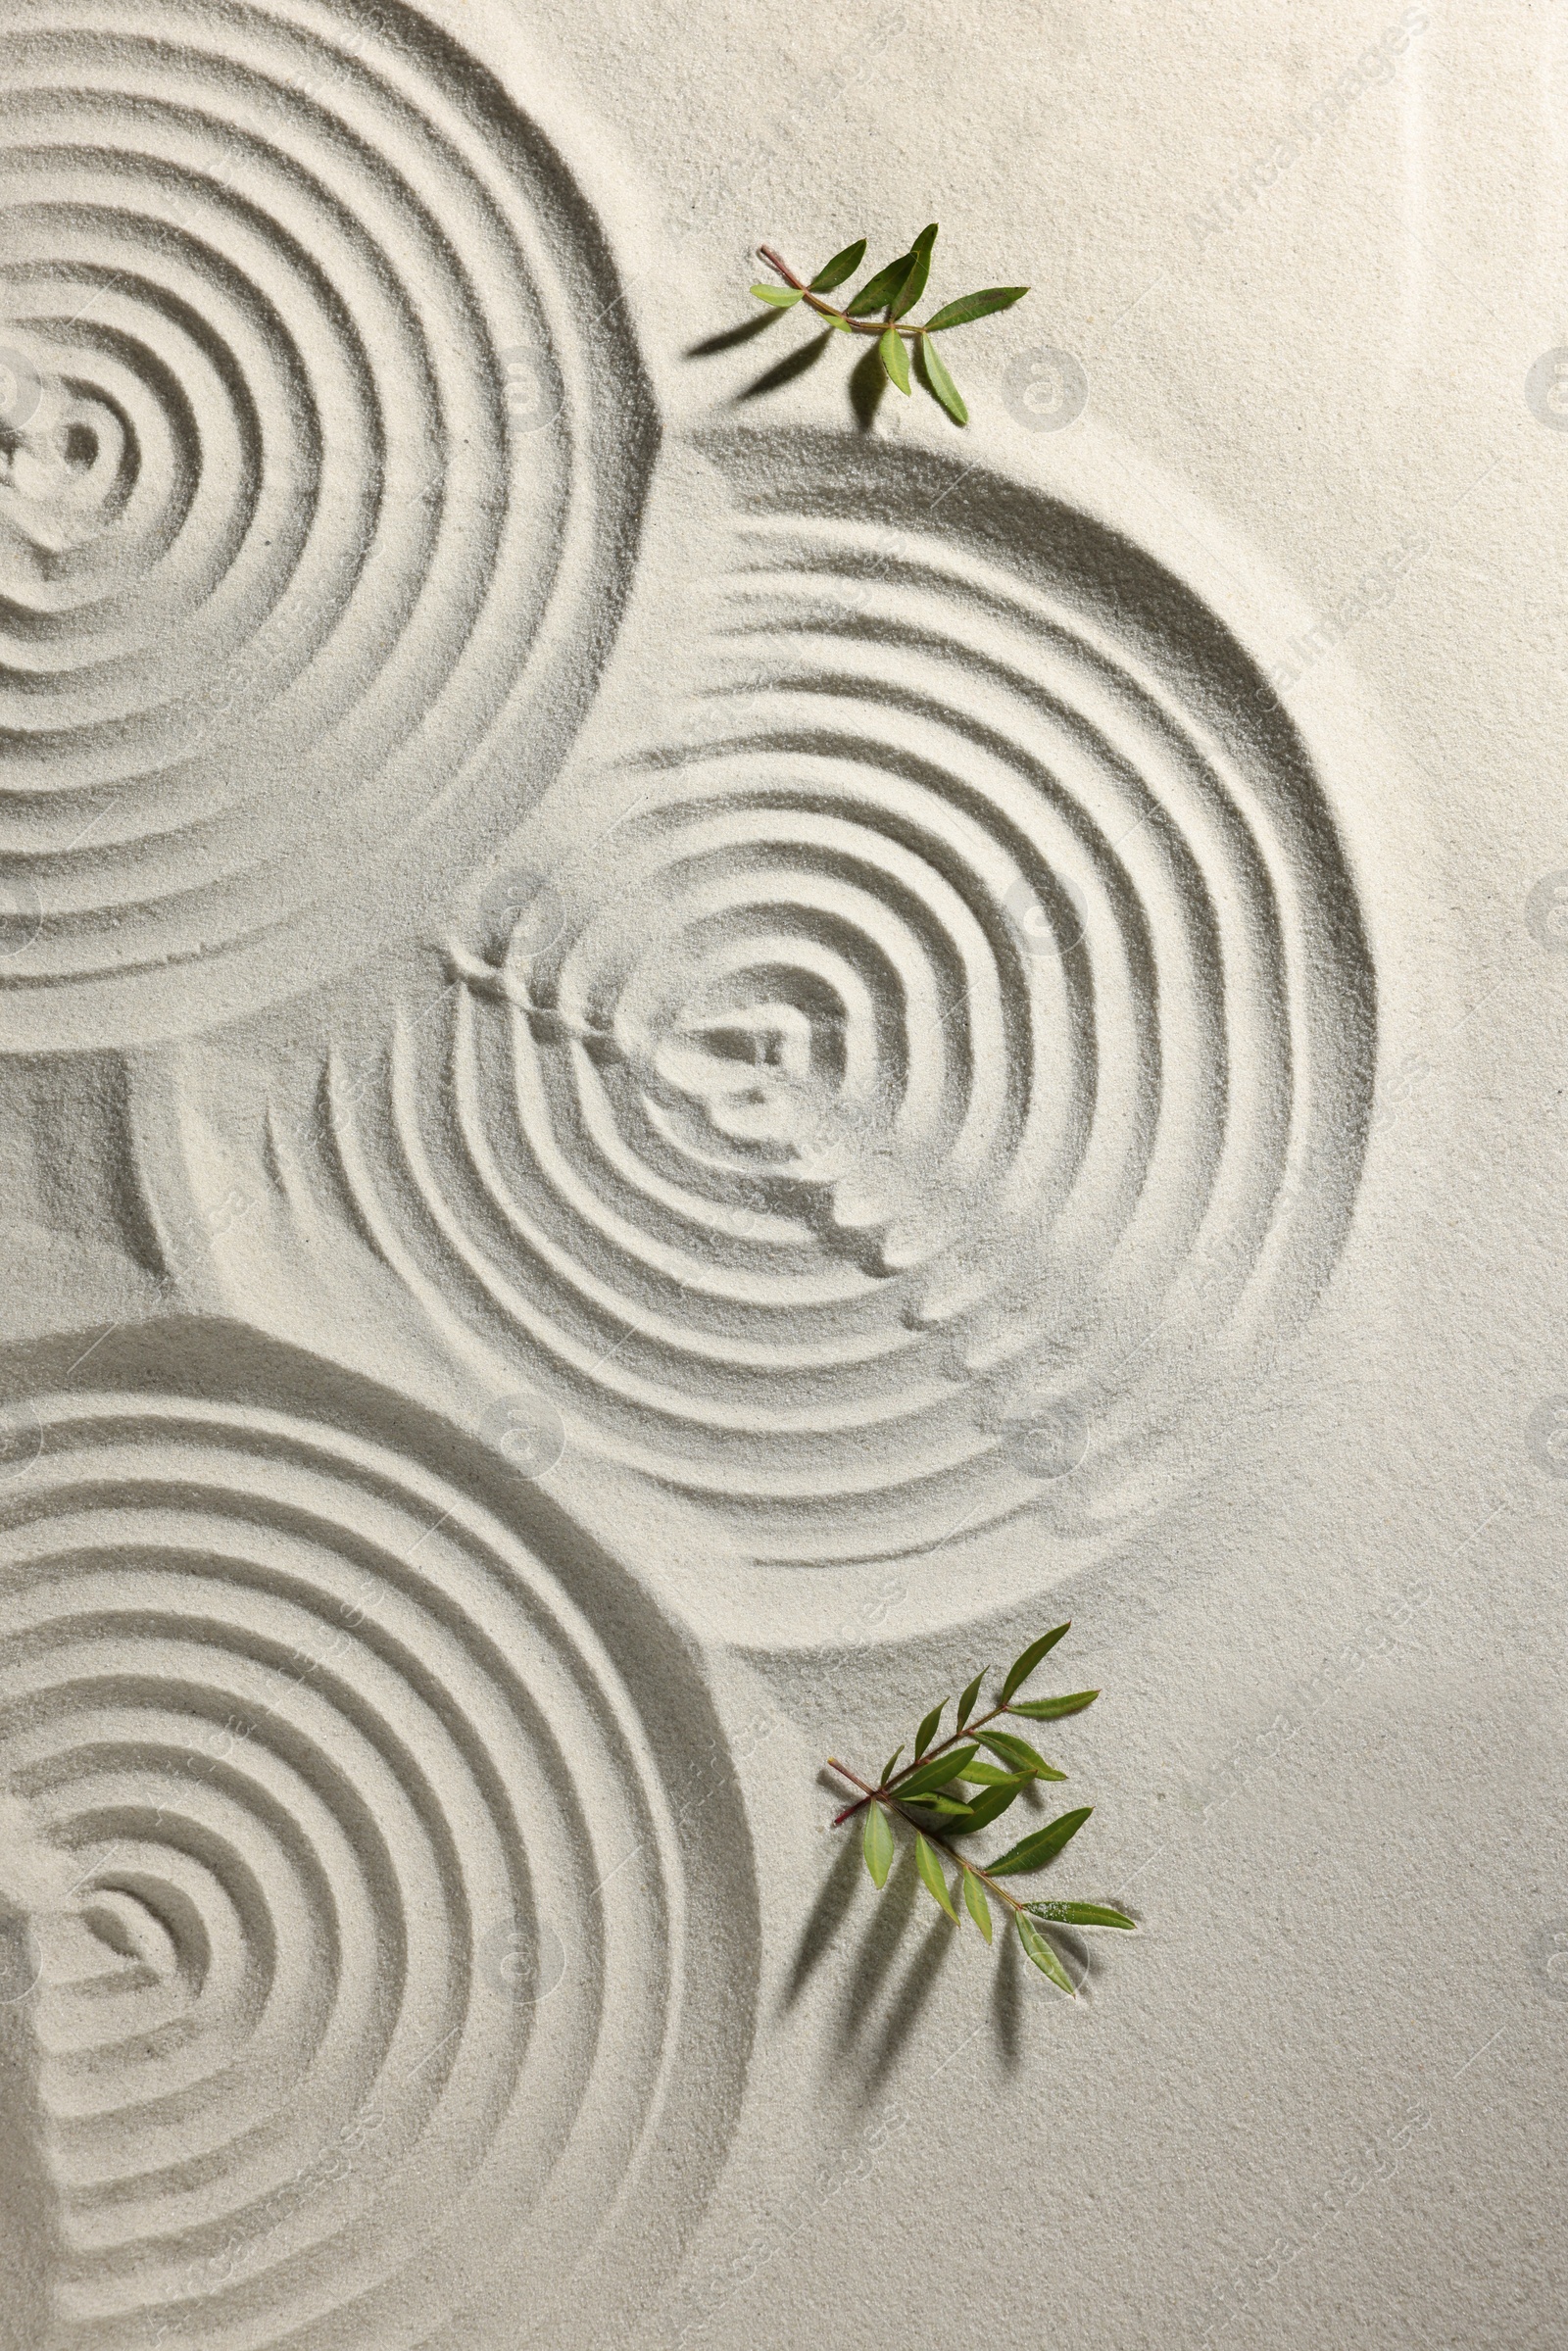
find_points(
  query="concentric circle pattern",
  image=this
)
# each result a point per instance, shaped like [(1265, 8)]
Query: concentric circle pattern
[(321, 439), (954, 1064), (364, 1937)]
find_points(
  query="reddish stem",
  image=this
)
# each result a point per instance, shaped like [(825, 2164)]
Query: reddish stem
[(880, 1795), (826, 309), (919, 1763)]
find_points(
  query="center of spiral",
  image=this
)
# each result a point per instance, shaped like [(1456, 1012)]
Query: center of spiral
[(63, 473)]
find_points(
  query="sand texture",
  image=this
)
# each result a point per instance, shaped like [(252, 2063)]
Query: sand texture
[(677, 1057)]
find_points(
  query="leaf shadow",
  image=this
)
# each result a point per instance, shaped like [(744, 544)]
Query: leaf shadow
[(827, 1916), (867, 378), (909, 1997), (773, 379), (1007, 2002), (870, 2035), (879, 2003), (731, 336), (869, 387), (874, 1956)]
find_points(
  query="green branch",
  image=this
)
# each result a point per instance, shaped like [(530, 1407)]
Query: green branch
[(923, 1797), (891, 291)]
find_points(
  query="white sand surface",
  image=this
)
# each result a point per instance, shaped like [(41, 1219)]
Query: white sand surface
[(675, 1063)]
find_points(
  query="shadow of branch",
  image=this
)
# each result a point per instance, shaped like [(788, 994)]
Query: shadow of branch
[(773, 379), (909, 1997), (732, 336), (828, 1914), (875, 1954), (873, 2022), (1007, 2002), (867, 379), (868, 384)]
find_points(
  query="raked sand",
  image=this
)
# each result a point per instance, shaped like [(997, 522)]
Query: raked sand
[(675, 1066)]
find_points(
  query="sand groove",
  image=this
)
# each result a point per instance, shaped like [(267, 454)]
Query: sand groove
[(312, 508), (368, 1949), (956, 1067)]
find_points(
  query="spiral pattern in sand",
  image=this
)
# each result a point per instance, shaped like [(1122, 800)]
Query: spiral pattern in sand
[(955, 1062), (321, 436), (374, 1942)]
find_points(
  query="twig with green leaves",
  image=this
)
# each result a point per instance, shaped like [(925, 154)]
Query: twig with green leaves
[(879, 309), (923, 1796)]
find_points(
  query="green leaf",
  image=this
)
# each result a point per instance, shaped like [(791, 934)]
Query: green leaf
[(966, 1703), (1033, 1852), (1044, 1957), (948, 1805), (843, 264), (940, 383), (1019, 1755), (928, 1729), (988, 1806), (974, 1902), (935, 1774), (783, 297), (878, 1844), (914, 285), (1051, 1710), (878, 291), (974, 306), (1081, 1914), (896, 357), (930, 1869), (887, 1768), (1022, 1667), (986, 1775)]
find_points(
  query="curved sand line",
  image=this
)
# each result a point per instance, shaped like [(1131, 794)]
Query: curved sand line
[(323, 445), (370, 1949), (965, 1067)]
